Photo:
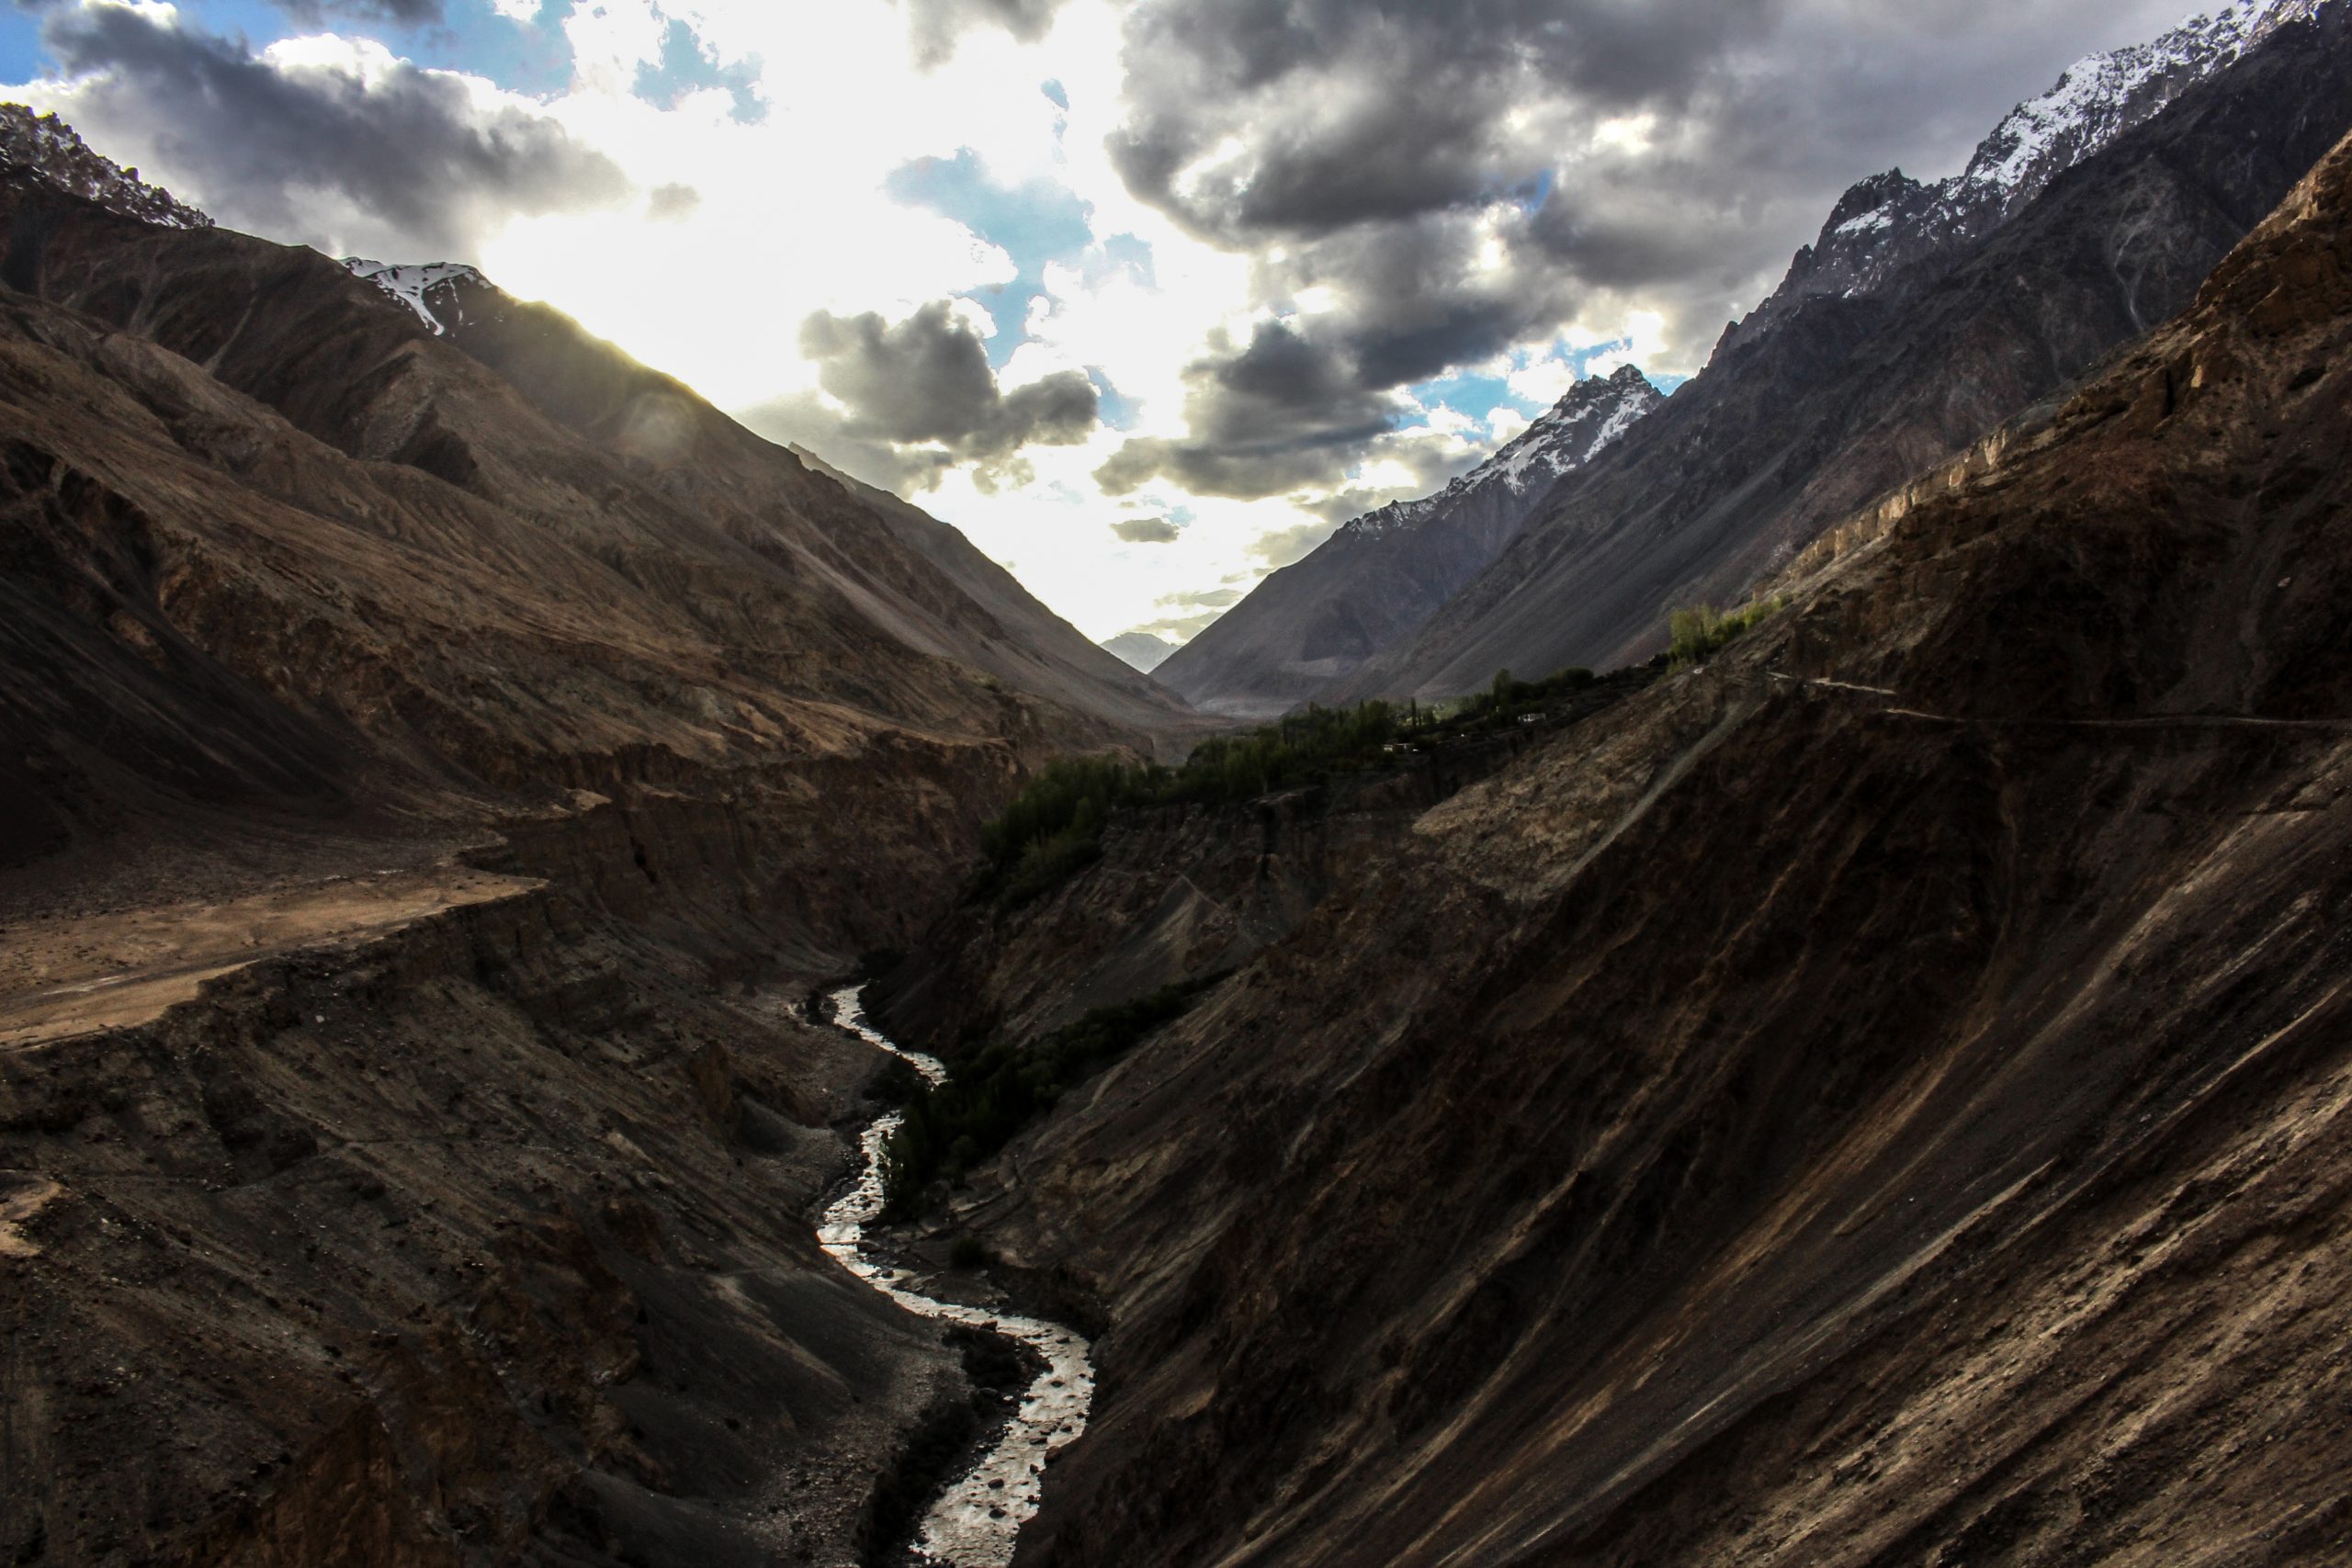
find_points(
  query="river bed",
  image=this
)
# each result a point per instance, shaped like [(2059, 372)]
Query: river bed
[(977, 1520)]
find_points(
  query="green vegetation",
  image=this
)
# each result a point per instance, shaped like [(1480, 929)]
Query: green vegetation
[(991, 1094), (1699, 631), (1055, 827), (968, 1253)]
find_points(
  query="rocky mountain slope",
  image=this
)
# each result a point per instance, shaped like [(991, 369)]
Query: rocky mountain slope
[(1376, 580), (416, 737), (1849, 394), (1878, 1098), (977, 615)]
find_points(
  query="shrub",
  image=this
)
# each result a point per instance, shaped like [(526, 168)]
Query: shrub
[(1699, 632), (991, 1094), (968, 1253)]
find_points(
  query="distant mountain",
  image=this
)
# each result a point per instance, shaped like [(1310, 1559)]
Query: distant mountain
[(1850, 393), (1141, 649), (1381, 575), (397, 543)]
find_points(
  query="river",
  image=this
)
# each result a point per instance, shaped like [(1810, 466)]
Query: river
[(975, 1521)]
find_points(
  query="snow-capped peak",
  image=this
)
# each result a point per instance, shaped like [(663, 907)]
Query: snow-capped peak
[(1886, 222), (414, 285), (1585, 422), (46, 147), (2103, 95)]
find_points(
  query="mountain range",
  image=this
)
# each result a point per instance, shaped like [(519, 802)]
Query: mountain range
[(1922, 318)]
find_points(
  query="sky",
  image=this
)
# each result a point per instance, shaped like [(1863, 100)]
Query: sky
[(1147, 297)]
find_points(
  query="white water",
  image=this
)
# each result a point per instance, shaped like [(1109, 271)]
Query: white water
[(976, 1520)]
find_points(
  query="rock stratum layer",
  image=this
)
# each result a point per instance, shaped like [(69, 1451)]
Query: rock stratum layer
[(1884, 1096)]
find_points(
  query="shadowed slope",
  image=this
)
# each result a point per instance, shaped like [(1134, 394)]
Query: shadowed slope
[(1883, 1098)]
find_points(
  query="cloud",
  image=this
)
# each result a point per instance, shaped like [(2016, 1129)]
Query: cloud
[(936, 26), (1347, 112), (925, 382), (1182, 616), (332, 140), (1204, 598), (669, 203), (404, 12), (1277, 547), (927, 378), (1147, 530), (1278, 413)]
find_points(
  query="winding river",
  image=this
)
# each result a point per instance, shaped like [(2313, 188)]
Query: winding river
[(976, 1519)]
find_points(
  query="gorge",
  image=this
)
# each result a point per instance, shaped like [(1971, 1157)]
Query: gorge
[(581, 987)]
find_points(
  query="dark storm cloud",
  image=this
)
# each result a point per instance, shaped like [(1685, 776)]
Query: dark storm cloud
[(926, 381), (406, 13), (1273, 416), (1387, 108), (406, 146), (1404, 159)]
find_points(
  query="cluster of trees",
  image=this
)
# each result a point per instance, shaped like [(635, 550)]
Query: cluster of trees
[(1698, 632), (991, 1094), (1055, 827)]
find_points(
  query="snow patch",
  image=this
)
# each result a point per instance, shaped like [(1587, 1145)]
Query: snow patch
[(413, 285)]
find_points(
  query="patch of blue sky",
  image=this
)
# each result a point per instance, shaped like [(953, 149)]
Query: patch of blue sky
[(1117, 410), (23, 58), (1477, 396), (1120, 254), (1529, 193), (532, 56), (686, 66), (1034, 223)]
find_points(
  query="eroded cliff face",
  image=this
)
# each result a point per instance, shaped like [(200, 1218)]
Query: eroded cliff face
[(1879, 1098), (1186, 893), (475, 1233)]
